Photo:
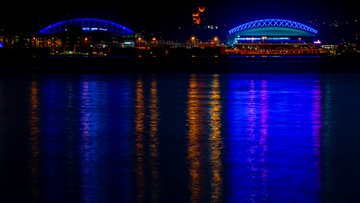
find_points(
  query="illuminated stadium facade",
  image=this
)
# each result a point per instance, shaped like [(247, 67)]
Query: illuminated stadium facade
[(87, 25), (88, 35), (270, 31)]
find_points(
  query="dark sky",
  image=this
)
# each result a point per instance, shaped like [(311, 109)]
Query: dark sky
[(155, 15)]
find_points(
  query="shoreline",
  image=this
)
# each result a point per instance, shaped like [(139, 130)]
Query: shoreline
[(18, 62)]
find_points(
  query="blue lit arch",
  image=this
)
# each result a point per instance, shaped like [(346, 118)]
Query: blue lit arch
[(270, 28), (87, 25)]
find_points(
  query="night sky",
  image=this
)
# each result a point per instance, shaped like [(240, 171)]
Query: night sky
[(156, 15)]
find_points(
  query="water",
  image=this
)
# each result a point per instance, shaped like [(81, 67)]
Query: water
[(179, 137)]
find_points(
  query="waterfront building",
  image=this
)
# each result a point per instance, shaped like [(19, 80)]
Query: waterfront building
[(88, 35), (274, 36)]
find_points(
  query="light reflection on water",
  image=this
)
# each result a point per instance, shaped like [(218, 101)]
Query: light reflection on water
[(194, 149), (154, 141), (238, 138), (34, 140), (271, 142)]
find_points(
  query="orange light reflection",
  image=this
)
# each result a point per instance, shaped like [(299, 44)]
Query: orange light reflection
[(34, 138), (216, 143), (139, 145)]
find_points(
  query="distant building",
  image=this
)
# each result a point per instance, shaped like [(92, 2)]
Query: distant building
[(271, 31), (274, 36), (87, 35)]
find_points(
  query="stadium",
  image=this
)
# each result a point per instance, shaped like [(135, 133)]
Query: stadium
[(87, 35), (273, 36)]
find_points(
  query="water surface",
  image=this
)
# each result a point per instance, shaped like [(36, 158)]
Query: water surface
[(179, 137)]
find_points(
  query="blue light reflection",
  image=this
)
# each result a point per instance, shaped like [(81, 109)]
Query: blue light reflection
[(274, 139)]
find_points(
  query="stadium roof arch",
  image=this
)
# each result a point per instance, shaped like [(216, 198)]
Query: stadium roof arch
[(270, 28), (87, 25)]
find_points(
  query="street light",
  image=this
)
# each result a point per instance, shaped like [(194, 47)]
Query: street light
[(193, 40), (139, 41), (216, 39)]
